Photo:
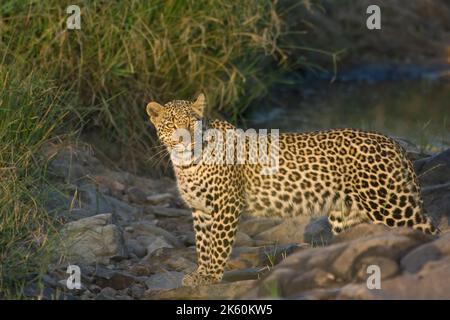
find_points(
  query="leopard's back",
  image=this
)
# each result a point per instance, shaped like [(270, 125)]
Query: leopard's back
[(353, 175)]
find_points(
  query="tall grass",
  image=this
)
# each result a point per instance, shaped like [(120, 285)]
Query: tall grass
[(31, 112), (128, 52)]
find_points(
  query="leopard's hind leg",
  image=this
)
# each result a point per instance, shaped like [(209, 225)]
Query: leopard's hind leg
[(346, 214), (403, 209)]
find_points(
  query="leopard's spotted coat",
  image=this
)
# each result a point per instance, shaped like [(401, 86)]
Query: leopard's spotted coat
[(352, 175)]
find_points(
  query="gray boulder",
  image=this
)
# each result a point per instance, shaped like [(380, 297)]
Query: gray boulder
[(330, 272), (92, 240)]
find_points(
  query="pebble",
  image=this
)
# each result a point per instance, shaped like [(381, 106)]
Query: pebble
[(158, 242), (159, 198)]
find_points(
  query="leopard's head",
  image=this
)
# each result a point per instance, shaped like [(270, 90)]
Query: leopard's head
[(176, 119)]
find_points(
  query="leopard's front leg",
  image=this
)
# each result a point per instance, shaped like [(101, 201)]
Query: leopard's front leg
[(223, 232), (202, 228), (214, 245)]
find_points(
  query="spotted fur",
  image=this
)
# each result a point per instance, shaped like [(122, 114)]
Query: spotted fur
[(354, 176)]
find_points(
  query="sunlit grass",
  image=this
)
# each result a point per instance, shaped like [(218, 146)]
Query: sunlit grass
[(127, 53), (31, 113)]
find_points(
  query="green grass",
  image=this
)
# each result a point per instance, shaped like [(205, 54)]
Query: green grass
[(130, 52), (32, 111)]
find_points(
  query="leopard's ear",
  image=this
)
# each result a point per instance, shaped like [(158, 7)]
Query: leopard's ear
[(199, 105), (154, 110)]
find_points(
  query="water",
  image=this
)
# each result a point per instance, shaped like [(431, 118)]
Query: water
[(417, 110)]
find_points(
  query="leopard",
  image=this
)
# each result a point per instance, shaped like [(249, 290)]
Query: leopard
[(351, 175)]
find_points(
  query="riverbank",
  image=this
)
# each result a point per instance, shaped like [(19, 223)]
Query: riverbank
[(133, 239)]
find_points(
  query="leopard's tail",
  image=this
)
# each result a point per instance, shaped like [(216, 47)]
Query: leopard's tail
[(427, 225)]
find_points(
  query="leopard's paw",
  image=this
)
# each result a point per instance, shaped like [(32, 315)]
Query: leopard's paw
[(196, 279)]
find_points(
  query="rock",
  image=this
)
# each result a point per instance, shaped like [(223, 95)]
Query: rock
[(93, 288), (88, 295), (136, 195), (136, 248), (265, 256), (388, 245), (317, 294), (216, 291), (178, 263), (106, 294), (137, 291), (290, 230), (434, 170), (301, 229), (437, 203), (246, 257), (120, 209), (113, 279), (318, 232), (157, 199), (428, 283), (57, 201), (140, 270), (146, 229), (315, 278), (144, 240), (301, 283), (242, 239), (417, 258), (116, 185), (253, 226), (86, 270), (67, 163), (388, 267), (164, 281), (164, 259), (88, 223), (62, 284), (279, 280), (92, 240), (167, 212), (412, 151), (434, 176), (322, 271), (38, 292), (123, 297), (108, 183), (188, 239), (90, 201), (49, 281), (158, 242), (244, 274), (360, 231)]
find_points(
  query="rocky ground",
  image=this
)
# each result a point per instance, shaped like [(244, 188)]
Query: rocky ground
[(133, 239)]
